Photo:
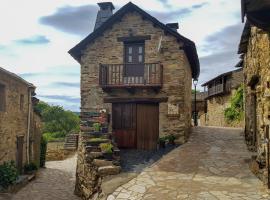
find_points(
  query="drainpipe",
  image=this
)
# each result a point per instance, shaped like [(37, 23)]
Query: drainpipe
[(28, 125)]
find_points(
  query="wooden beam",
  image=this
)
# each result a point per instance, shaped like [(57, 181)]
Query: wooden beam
[(134, 38), (132, 100)]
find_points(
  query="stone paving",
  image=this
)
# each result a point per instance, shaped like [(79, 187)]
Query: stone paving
[(55, 182), (212, 165)]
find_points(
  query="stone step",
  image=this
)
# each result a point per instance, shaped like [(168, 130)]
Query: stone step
[(93, 155), (109, 170), (70, 142), (102, 163), (90, 148), (71, 139), (70, 148)]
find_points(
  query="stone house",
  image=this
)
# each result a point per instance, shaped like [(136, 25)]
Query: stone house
[(136, 76), (140, 72), (19, 124), (254, 49), (219, 92)]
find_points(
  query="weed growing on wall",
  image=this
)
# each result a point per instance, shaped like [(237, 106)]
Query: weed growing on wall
[(236, 110)]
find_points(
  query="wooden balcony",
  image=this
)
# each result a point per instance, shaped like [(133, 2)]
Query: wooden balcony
[(149, 75), (217, 89)]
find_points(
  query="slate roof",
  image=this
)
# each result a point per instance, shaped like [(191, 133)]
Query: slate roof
[(189, 46), (221, 75), (15, 76), (243, 45), (257, 14)]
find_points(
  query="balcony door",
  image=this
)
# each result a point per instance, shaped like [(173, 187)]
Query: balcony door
[(134, 63)]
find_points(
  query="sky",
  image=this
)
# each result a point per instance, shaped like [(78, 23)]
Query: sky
[(36, 35)]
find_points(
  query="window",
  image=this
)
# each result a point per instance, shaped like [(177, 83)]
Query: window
[(21, 101), (2, 98)]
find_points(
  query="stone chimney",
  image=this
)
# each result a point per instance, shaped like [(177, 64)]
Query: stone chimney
[(173, 26), (105, 12)]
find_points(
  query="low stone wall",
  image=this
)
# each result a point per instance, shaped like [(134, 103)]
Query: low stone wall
[(93, 166), (56, 151), (215, 112), (95, 161)]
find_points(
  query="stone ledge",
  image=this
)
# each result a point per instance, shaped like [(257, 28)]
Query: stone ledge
[(102, 163), (109, 170)]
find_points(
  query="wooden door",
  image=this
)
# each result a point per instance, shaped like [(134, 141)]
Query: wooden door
[(134, 59), (124, 124), (147, 126), (20, 141)]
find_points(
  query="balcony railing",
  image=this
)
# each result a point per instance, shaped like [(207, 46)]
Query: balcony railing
[(121, 75), (217, 89)]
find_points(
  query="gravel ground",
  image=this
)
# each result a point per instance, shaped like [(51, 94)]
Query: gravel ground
[(133, 160)]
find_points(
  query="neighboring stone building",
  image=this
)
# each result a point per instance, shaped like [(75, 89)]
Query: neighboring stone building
[(201, 107), (219, 92), (254, 49), (139, 72), (19, 125)]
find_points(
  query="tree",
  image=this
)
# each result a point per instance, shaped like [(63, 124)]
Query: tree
[(57, 120)]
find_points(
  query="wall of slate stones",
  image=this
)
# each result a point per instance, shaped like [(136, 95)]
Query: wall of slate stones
[(176, 74), (216, 106), (256, 63), (13, 121), (92, 163)]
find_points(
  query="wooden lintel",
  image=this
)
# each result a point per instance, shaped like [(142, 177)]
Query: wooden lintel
[(133, 100), (134, 38)]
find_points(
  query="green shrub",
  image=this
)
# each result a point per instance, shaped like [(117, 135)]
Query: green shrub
[(8, 174), (236, 109), (162, 139), (56, 119), (97, 126), (43, 149), (170, 138), (54, 136), (30, 167), (106, 148)]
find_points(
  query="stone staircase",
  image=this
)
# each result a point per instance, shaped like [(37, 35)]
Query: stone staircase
[(71, 142)]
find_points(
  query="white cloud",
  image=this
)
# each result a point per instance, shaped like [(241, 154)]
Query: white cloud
[(20, 20)]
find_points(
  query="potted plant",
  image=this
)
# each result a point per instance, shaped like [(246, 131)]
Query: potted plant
[(30, 168), (171, 139), (107, 150), (162, 142), (97, 127)]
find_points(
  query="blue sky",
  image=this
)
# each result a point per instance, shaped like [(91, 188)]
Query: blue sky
[(36, 35)]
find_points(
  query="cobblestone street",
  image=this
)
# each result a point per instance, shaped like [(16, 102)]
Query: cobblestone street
[(212, 165), (55, 182)]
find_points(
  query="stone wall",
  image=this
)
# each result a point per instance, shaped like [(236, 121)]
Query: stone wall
[(94, 163), (176, 74), (216, 106), (256, 64), (14, 120)]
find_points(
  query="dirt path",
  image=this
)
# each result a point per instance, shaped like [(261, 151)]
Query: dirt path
[(212, 165), (55, 182)]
